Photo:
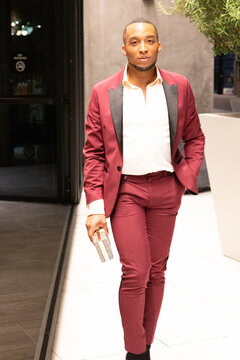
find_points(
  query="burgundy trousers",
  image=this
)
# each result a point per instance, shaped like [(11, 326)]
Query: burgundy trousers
[(142, 222)]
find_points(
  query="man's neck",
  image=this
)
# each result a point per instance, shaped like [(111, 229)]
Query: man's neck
[(141, 78)]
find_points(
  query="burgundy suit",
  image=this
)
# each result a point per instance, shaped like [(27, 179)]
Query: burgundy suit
[(142, 208), (103, 148)]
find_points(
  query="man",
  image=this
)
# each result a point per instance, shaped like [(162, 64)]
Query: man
[(135, 173)]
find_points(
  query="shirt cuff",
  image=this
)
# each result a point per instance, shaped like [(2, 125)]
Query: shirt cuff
[(96, 207)]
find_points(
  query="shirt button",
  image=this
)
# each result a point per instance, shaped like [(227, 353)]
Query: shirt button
[(119, 168)]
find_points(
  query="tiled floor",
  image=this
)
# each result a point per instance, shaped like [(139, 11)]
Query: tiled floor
[(30, 235), (200, 316)]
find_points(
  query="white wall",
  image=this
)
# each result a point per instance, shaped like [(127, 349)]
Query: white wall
[(185, 49)]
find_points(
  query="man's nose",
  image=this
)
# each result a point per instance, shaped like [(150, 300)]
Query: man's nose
[(143, 47)]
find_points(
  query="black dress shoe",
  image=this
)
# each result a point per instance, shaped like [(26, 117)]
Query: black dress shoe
[(142, 356)]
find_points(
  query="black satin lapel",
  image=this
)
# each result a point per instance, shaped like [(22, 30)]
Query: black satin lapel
[(171, 93), (116, 106)]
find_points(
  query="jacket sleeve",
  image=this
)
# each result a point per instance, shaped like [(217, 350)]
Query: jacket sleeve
[(193, 136), (93, 152)]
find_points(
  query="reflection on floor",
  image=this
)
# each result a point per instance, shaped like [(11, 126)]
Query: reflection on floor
[(200, 317), (29, 238)]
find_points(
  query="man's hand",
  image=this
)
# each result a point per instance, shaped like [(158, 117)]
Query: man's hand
[(93, 222)]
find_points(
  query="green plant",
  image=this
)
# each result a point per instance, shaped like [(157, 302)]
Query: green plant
[(218, 20)]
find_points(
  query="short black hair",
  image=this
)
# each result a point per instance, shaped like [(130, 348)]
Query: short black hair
[(141, 20)]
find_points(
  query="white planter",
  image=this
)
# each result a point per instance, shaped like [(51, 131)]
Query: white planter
[(222, 154)]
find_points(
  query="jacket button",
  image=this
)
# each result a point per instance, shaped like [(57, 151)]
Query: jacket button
[(119, 168)]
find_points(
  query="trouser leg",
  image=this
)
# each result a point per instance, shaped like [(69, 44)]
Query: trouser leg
[(161, 215), (160, 231), (130, 234)]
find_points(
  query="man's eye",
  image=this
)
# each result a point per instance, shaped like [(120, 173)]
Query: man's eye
[(134, 42), (150, 41)]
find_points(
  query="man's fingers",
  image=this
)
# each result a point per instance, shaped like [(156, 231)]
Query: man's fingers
[(105, 228), (91, 233), (95, 221)]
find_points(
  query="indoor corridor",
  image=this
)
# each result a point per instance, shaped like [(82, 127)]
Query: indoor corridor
[(200, 316)]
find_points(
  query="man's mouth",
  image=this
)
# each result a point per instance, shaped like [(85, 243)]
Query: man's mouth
[(144, 59)]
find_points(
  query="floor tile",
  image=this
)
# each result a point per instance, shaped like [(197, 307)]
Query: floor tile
[(74, 341), (161, 351), (30, 237), (216, 349), (55, 357), (206, 321), (31, 328), (121, 356), (13, 338), (20, 354)]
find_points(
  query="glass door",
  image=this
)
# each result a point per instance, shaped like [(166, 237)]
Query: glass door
[(34, 102)]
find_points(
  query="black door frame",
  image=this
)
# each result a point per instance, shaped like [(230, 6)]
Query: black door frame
[(76, 96), (71, 98)]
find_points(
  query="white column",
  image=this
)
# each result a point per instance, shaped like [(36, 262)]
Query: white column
[(222, 154)]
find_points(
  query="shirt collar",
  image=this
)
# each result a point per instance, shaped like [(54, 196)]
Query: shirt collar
[(126, 83)]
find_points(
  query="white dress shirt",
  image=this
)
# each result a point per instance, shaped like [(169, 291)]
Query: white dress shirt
[(146, 136)]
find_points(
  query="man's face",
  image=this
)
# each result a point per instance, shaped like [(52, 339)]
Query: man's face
[(141, 46)]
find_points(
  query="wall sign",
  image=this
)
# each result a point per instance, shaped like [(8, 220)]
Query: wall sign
[(20, 66), (20, 62)]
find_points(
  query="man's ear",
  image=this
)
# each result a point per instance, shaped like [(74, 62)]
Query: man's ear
[(159, 46), (124, 50)]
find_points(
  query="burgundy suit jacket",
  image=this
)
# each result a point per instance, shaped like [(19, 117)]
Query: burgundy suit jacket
[(104, 136)]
